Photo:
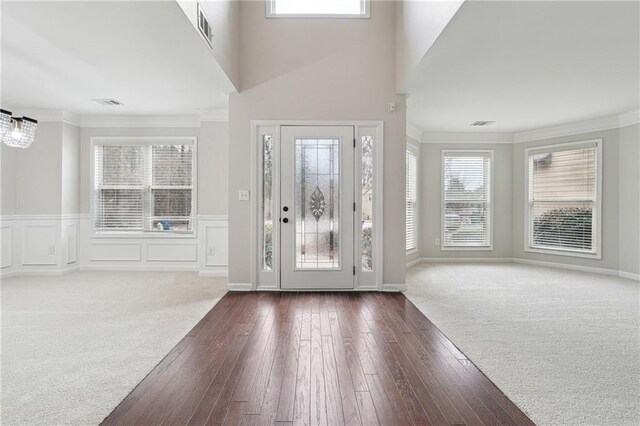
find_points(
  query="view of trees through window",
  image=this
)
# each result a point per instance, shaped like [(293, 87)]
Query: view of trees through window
[(467, 199), (143, 188)]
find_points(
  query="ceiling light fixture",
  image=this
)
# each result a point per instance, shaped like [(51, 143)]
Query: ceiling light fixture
[(17, 132)]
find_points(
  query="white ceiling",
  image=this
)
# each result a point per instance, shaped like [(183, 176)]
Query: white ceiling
[(528, 65), (60, 55)]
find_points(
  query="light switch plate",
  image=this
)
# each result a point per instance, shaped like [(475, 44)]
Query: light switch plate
[(243, 195)]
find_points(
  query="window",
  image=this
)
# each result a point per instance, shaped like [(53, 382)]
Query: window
[(412, 199), (367, 173), (563, 184), (144, 187), (318, 8), (466, 218)]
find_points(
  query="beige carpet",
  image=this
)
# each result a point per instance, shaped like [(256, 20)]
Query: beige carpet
[(74, 346), (563, 345)]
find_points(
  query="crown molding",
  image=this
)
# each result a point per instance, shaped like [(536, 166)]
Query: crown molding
[(46, 115), (629, 118), (467, 138), (413, 132), (219, 114), (128, 121), (587, 126), (568, 129)]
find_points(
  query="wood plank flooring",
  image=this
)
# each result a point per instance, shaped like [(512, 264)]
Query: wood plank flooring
[(316, 358)]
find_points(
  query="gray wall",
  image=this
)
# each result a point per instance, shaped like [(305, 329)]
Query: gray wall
[(70, 169), (431, 204), (317, 69), (620, 201), (610, 191), (629, 183), (213, 143), (33, 180)]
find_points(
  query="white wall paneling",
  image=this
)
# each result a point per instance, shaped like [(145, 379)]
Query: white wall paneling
[(6, 237), (115, 251), (172, 252), (27, 241), (39, 245), (72, 243)]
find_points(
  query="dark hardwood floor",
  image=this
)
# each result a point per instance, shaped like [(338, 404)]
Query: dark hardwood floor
[(316, 358)]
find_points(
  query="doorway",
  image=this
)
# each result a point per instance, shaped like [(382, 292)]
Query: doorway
[(318, 206)]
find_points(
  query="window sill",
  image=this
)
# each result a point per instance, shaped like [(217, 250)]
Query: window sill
[(412, 251), (143, 235), (560, 252)]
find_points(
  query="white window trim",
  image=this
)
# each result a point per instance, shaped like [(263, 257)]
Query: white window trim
[(365, 6), (144, 140), (415, 149), (443, 153), (597, 234)]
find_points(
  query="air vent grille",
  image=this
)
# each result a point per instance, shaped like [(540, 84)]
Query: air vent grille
[(482, 123), (204, 27), (108, 102)]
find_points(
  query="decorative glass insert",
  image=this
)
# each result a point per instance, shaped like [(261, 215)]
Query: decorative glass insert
[(367, 174), (267, 202), (317, 203)]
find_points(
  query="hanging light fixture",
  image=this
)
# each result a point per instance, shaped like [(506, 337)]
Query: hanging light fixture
[(17, 132)]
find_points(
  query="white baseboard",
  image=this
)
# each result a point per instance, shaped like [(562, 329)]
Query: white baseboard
[(45, 272), (414, 262), (570, 267), (629, 275), (140, 268), (465, 259), (394, 287), (239, 286), (590, 269), (214, 272)]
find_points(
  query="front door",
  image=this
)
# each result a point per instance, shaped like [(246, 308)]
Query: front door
[(317, 207)]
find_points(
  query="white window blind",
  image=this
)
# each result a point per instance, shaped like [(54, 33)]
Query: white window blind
[(143, 187), (411, 200), (467, 199), (562, 198)]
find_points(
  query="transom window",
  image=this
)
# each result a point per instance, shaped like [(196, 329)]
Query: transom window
[(318, 8), (563, 198), (144, 187), (467, 208)]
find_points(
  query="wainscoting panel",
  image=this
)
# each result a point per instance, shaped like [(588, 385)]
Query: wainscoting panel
[(115, 252), (6, 247), (39, 245), (55, 244), (176, 252), (216, 245), (72, 243)]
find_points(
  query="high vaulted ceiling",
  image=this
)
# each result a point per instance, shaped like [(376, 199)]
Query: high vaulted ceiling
[(528, 65), (60, 55)]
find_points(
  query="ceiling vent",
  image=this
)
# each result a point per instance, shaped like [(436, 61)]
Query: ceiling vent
[(204, 27), (109, 102), (481, 123)]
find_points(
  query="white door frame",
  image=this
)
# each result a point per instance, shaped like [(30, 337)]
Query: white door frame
[(364, 281)]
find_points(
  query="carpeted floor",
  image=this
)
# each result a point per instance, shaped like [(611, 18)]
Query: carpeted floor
[(563, 345), (74, 346)]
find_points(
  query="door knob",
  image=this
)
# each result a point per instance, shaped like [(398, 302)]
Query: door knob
[(285, 220), (285, 208)]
